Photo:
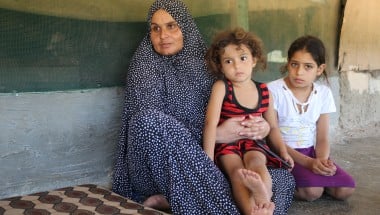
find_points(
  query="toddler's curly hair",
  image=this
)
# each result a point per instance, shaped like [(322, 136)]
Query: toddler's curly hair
[(239, 37)]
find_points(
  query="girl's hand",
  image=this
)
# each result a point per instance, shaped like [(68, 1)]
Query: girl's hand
[(329, 164), (323, 167)]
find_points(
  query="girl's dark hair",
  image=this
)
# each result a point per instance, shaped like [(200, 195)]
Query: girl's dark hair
[(312, 45), (237, 37)]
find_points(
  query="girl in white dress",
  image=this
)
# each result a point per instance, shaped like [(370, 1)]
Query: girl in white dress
[(303, 108)]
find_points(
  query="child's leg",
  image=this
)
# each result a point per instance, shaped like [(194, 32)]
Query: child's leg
[(266, 209), (256, 161), (308, 193), (340, 193), (231, 164), (253, 182)]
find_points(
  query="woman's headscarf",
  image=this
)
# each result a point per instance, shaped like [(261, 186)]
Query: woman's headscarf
[(176, 85), (193, 41)]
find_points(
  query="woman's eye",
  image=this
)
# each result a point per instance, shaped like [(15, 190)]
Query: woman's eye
[(172, 26), (244, 58), (227, 61), (294, 65), (155, 29)]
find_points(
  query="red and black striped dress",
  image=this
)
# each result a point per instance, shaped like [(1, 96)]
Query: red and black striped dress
[(232, 108)]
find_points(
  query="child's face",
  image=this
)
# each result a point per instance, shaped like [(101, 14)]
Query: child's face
[(237, 63), (303, 70)]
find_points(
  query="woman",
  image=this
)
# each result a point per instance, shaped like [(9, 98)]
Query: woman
[(160, 159)]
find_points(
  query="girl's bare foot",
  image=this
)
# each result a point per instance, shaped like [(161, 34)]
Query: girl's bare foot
[(253, 182), (266, 209), (158, 202)]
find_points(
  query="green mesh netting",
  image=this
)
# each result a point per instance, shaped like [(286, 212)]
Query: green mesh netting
[(50, 53), (45, 53)]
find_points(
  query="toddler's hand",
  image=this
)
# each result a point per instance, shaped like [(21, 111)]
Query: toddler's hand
[(288, 159)]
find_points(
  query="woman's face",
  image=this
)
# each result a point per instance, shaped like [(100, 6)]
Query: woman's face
[(165, 34)]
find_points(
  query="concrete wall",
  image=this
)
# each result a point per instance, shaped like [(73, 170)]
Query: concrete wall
[(56, 139), (359, 65)]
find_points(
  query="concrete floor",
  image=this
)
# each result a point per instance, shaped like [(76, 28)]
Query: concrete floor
[(361, 158)]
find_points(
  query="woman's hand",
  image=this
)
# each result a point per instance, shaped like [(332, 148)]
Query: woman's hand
[(255, 127), (237, 128), (228, 131)]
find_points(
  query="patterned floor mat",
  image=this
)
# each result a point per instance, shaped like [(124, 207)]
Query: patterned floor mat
[(77, 200)]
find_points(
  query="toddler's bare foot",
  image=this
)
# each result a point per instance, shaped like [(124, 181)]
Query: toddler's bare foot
[(266, 209), (253, 182), (158, 202)]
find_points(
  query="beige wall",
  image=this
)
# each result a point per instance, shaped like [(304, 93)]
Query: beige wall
[(359, 62), (359, 41)]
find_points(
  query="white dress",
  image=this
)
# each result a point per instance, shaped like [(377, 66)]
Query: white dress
[(298, 129)]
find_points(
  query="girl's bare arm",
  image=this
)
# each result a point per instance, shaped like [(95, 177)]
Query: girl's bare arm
[(212, 118)]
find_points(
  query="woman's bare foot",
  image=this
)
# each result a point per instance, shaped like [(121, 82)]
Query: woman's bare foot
[(266, 209), (253, 182), (158, 202)]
